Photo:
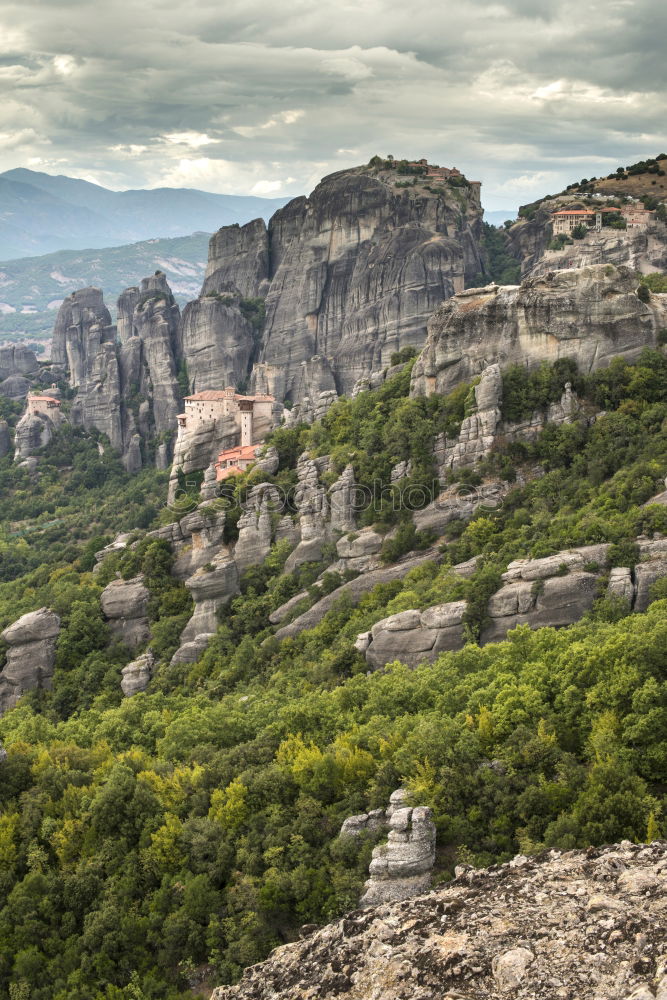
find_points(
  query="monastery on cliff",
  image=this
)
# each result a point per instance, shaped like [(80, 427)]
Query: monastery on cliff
[(247, 412)]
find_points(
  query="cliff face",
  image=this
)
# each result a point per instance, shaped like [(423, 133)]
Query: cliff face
[(348, 275), (357, 268), (592, 315), (125, 377), (580, 925)]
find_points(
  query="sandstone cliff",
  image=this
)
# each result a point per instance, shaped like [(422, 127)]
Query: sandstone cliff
[(349, 274), (580, 925), (592, 315), (126, 377), (30, 657)]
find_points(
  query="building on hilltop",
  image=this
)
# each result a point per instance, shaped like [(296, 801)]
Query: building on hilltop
[(435, 173), (566, 219), (44, 406), (234, 461), (214, 404)]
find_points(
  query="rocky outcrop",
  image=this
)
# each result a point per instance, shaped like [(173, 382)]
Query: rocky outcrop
[(312, 504), (257, 525), (125, 606), (189, 652), (211, 587), (478, 430), (238, 258), (357, 268), (127, 390), (155, 320), (17, 362), (554, 591), (354, 589), (33, 431), (579, 925), (414, 636), (83, 323), (30, 657), (5, 439), (592, 315), (402, 867), (218, 341), (137, 674)]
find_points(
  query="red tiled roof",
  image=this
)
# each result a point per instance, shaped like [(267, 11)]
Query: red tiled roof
[(213, 395), (45, 399), (245, 451)]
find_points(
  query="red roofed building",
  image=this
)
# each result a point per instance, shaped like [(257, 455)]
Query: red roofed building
[(214, 404), (234, 461), (45, 406)]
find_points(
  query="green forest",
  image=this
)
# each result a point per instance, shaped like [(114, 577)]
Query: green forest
[(152, 847)]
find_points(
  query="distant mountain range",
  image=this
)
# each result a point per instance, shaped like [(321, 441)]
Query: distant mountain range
[(40, 213), (31, 288)]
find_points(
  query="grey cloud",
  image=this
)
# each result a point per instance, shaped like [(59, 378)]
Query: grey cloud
[(514, 93)]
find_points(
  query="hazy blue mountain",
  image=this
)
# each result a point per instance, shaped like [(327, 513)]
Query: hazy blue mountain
[(31, 288), (41, 213)]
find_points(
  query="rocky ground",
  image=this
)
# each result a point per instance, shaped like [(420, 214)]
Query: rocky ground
[(580, 925)]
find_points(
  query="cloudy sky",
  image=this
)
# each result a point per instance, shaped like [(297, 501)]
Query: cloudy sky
[(243, 96)]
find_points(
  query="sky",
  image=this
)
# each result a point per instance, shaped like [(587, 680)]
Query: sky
[(251, 96)]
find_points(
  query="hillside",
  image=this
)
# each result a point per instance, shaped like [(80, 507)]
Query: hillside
[(41, 213), (32, 288), (181, 833)]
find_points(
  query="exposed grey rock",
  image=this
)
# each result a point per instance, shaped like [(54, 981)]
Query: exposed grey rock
[(591, 315), (268, 460), (646, 574), (5, 439), (211, 589), (33, 431), (478, 430), (30, 657), (312, 504), (132, 458), (342, 499), (360, 550), (621, 585), (238, 257), (137, 674), (217, 342), (357, 268), (509, 968), (354, 589), (17, 359), (125, 606), (368, 822), (415, 637), (190, 651), (256, 525), (15, 387), (402, 867), (520, 930), (83, 323)]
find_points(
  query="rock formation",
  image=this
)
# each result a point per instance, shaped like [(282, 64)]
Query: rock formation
[(137, 674), (30, 657), (83, 323), (356, 270), (554, 591), (402, 867), (125, 606), (17, 362), (33, 431), (579, 925), (127, 390), (592, 315), (348, 276)]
